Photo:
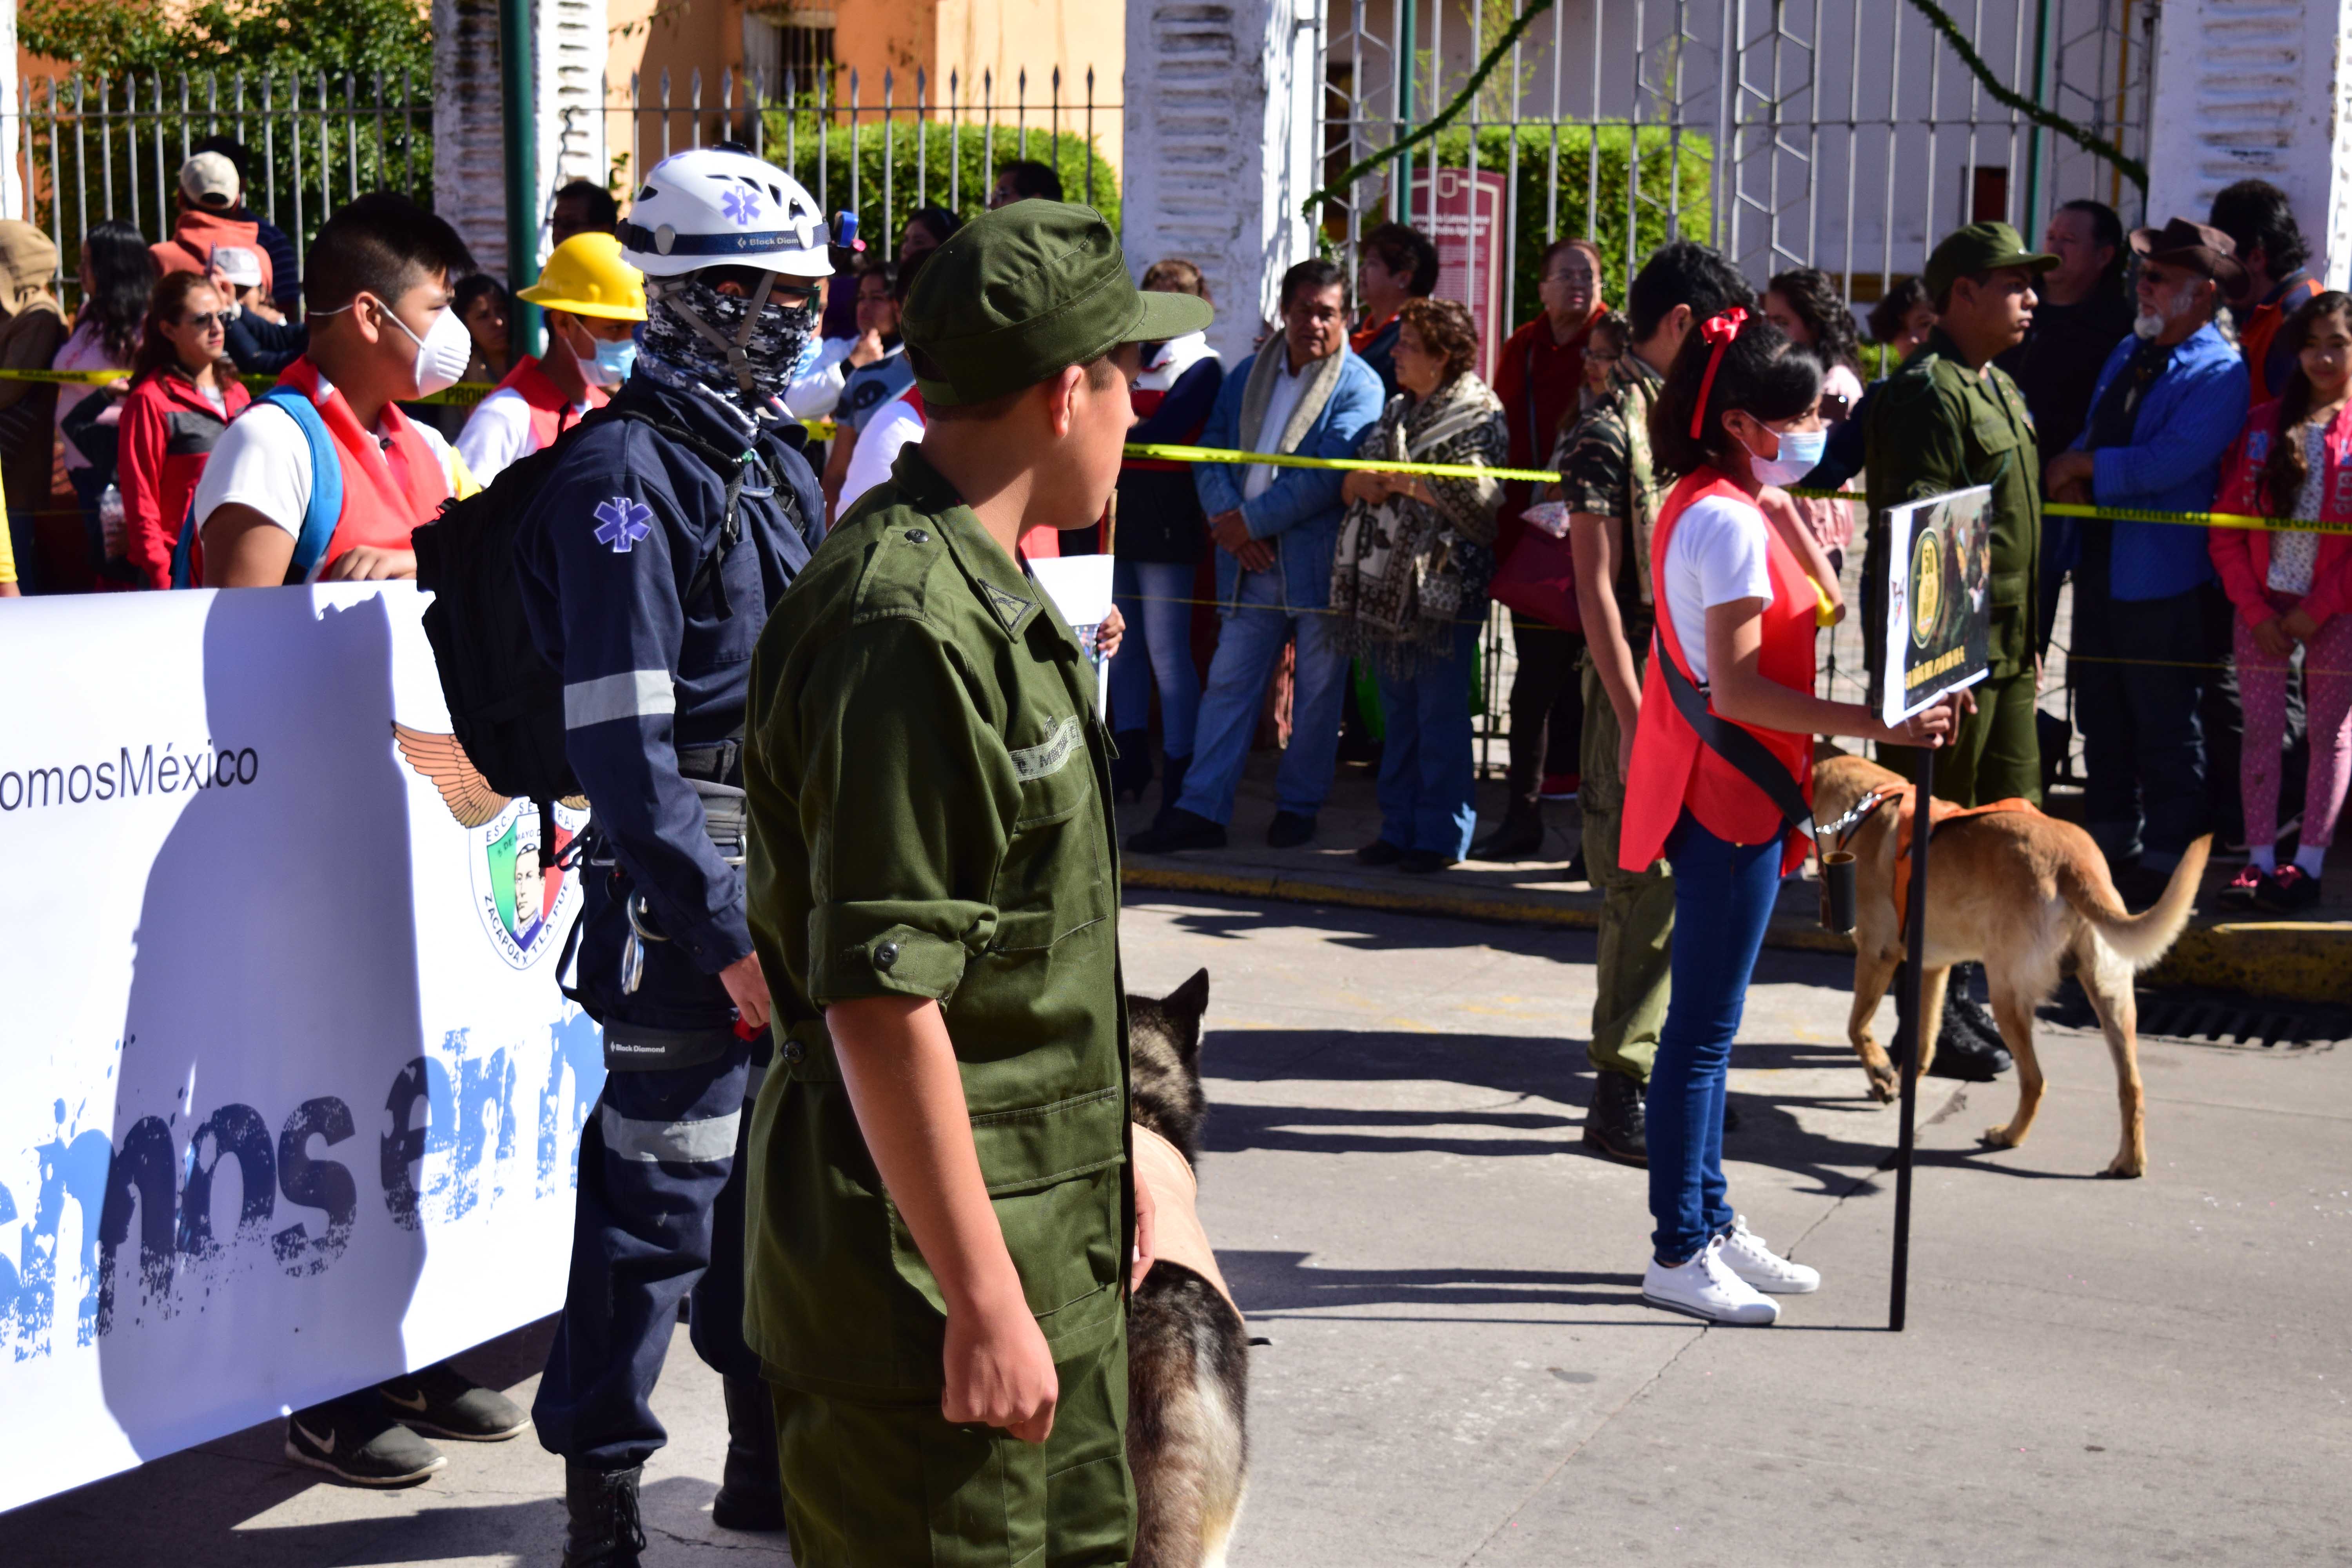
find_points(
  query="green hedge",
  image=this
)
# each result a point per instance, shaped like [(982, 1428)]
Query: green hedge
[(1578, 147), (967, 151)]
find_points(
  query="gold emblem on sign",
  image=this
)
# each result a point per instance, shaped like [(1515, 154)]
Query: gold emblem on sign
[(1927, 584)]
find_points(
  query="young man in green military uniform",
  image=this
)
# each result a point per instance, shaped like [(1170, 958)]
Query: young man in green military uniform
[(941, 1228), (1613, 492), (1947, 420)]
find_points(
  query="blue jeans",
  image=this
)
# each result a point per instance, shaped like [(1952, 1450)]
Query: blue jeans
[(1425, 761), (1722, 899), (1248, 644), (1156, 599)]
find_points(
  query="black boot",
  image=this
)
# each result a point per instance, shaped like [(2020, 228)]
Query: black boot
[(750, 1490), (1131, 770), (1617, 1125), (1960, 1003), (1172, 783), (604, 1532), (1520, 834), (1960, 1052)]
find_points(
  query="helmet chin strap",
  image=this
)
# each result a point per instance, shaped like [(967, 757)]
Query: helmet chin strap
[(733, 348)]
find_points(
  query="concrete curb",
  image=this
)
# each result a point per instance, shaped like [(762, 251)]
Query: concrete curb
[(2285, 959)]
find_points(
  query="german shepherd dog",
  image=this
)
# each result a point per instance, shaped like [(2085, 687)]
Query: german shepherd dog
[(1187, 1349), (2021, 893)]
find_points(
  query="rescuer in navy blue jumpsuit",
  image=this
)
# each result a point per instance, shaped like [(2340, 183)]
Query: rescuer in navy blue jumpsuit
[(637, 596)]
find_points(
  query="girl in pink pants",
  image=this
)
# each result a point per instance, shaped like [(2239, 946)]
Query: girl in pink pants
[(2294, 588)]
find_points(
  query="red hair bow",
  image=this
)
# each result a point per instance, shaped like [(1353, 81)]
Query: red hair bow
[(1718, 331)]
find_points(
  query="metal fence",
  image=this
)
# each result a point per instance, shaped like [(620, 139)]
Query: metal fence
[(84, 151), (1842, 134)]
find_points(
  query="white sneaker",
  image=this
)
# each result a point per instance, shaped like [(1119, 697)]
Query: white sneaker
[(1745, 1254), (1704, 1287)]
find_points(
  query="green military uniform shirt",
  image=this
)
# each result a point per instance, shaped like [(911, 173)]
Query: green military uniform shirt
[(1937, 425), (927, 784)]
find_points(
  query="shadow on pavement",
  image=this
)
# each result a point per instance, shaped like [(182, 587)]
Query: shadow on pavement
[(1283, 1281), (192, 1505)]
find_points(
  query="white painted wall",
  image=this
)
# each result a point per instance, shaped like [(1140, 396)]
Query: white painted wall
[(1220, 127), (469, 149), (12, 121), (2263, 90)]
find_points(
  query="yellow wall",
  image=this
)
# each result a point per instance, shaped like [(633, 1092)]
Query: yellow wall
[(937, 37)]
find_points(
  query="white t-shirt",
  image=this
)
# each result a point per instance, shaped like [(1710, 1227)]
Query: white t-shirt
[(1288, 386), (263, 461), (1720, 552), (813, 394), (894, 425), (497, 432)]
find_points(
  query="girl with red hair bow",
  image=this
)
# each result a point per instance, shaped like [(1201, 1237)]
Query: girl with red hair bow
[(1722, 773)]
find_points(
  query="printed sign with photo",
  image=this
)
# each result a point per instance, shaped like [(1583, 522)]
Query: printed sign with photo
[(1938, 626)]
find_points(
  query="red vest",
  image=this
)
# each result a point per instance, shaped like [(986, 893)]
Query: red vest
[(551, 410), (1672, 771), (388, 493)]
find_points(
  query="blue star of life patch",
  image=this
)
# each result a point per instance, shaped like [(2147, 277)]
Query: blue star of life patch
[(622, 523), (740, 206)]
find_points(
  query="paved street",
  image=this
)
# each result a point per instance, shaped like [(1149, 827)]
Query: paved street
[(1459, 1369)]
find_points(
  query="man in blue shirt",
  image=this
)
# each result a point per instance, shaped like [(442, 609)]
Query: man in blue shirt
[(2149, 622), (1306, 392)]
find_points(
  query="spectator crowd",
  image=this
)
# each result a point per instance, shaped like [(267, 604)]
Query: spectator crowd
[(2189, 367)]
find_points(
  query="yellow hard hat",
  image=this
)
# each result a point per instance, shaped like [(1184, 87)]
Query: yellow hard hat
[(587, 277)]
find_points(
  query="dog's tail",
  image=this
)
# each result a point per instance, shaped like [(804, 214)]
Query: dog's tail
[(2139, 940)]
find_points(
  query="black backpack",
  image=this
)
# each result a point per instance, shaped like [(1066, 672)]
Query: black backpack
[(505, 700)]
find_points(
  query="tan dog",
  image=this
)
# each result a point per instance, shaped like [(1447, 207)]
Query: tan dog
[(2019, 891)]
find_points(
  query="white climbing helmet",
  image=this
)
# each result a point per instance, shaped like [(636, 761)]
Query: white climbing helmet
[(720, 207)]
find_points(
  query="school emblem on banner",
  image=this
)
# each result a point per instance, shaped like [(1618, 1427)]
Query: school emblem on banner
[(521, 903)]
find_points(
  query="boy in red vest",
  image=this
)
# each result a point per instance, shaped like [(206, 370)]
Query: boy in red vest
[(594, 301), (379, 277), (382, 331)]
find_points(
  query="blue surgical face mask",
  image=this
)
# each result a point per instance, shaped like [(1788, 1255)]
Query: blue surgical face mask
[(614, 362), (1800, 453)]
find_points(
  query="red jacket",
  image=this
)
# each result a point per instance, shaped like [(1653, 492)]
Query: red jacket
[(168, 433), (2243, 555), (1538, 380), (196, 234)]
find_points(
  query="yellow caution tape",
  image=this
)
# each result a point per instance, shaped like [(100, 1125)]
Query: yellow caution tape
[(466, 393), (1367, 465)]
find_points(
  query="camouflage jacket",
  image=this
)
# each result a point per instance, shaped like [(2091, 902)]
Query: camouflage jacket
[(1605, 464)]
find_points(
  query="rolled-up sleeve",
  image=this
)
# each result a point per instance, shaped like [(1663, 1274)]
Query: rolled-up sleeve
[(906, 804)]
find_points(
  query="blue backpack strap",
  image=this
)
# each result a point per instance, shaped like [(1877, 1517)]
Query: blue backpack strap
[(326, 478), (183, 553)]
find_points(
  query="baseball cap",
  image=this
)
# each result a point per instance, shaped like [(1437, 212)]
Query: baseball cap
[(1019, 294), (209, 180), (1980, 247), (238, 265)]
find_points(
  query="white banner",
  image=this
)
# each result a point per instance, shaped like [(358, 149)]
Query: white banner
[(292, 1102)]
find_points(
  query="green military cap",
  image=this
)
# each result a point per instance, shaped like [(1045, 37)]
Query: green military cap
[(1019, 294), (1980, 247)]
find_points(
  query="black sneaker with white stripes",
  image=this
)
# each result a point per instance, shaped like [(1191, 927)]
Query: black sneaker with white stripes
[(351, 1438), (447, 1403)]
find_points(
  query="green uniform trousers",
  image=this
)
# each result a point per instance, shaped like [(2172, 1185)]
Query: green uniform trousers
[(1995, 755), (892, 1485), (1637, 907)]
